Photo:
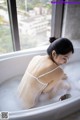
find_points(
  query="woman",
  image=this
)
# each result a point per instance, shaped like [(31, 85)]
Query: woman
[(44, 72)]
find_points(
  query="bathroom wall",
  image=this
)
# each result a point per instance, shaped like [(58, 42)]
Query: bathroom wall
[(71, 22)]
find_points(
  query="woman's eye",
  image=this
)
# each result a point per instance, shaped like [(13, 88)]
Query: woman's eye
[(64, 58)]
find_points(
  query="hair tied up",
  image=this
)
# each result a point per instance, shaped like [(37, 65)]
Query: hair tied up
[(52, 39)]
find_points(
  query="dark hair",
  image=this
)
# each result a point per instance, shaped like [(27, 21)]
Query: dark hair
[(61, 46), (52, 39)]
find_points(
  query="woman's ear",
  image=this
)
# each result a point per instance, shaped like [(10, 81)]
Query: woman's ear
[(54, 55)]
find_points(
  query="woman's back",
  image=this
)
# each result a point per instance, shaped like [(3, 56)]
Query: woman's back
[(38, 78)]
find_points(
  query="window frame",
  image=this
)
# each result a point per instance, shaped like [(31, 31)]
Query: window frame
[(56, 22), (13, 24), (57, 19)]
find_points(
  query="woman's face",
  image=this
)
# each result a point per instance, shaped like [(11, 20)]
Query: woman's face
[(61, 59)]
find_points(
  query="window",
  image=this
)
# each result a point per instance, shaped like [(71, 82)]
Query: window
[(37, 21), (34, 22), (5, 34)]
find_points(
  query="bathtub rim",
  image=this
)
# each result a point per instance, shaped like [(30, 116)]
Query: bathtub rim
[(43, 109), (33, 51), (23, 52)]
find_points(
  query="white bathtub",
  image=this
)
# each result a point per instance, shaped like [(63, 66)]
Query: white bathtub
[(12, 67)]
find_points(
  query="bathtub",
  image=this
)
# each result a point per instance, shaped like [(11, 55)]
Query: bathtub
[(12, 68)]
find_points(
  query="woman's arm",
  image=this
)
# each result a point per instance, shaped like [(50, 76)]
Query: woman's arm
[(64, 76), (57, 75)]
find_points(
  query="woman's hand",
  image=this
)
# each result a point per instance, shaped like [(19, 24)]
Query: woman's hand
[(63, 97), (64, 77)]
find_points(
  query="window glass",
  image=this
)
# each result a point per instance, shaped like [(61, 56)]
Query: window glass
[(5, 34), (34, 22)]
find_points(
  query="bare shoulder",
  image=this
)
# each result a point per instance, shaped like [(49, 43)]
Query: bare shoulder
[(60, 69), (59, 73), (34, 61), (48, 65), (36, 57), (48, 62)]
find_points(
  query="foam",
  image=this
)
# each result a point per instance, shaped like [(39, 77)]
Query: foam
[(9, 100)]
